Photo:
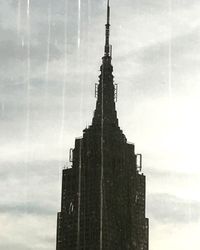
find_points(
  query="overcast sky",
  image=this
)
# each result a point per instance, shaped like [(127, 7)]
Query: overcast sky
[(50, 54)]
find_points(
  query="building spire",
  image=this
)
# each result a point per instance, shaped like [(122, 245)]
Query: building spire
[(107, 45), (106, 92)]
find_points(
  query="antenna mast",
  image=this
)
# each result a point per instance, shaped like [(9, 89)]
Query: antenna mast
[(107, 45)]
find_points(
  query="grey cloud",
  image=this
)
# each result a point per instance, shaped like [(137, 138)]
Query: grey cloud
[(171, 175), (49, 239), (27, 208), (42, 109), (142, 7), (40, 169), (14, 245), (31, 187), (181, 46), (12, 50), (155, 63), (71, 6), (166, 208)]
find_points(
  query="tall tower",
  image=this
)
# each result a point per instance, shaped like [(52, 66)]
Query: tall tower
[(103, 193)]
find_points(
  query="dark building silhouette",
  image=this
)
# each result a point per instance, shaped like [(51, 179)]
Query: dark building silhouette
[(103, 193)]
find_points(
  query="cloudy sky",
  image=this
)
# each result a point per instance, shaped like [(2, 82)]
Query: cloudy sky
[(50, 54)]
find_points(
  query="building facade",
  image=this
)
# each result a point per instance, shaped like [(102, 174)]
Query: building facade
[(103, 193)]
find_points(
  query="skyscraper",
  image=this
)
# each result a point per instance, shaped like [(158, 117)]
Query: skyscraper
[(103, 193)]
